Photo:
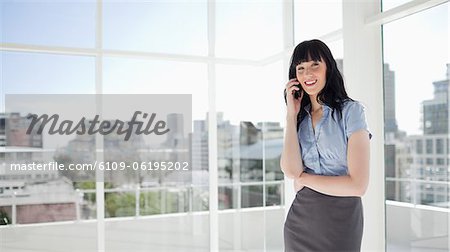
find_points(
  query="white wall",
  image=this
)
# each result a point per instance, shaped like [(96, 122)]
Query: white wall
[(364, 81)]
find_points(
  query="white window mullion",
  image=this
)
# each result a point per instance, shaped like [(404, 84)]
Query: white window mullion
[(402, 11), (99, 175), (212, 133), (288, 45)]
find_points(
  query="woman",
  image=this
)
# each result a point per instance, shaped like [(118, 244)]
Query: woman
[(326, 152)]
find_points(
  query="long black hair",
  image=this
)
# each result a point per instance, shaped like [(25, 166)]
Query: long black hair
[(333, 94)]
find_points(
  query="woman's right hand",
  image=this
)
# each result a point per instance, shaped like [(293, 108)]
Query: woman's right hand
[(293, 105)]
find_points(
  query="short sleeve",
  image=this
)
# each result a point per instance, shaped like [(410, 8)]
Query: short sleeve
[(355, 119)]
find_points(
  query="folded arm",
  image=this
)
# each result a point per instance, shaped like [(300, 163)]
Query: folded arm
[(356, 181)]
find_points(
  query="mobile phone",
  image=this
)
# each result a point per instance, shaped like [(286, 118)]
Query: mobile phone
[(296, 93), (292, 75)]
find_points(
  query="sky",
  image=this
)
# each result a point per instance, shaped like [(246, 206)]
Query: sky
[(416, 48)]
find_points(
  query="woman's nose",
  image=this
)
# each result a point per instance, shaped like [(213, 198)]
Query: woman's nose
[(308, 71)]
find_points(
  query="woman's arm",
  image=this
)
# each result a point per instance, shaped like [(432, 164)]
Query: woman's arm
[(291, 162), (353, 184)]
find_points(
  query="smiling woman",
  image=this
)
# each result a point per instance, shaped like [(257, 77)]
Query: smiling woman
[(327, 155)]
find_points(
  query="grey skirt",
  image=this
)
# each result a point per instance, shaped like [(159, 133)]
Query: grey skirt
[(320, 222)]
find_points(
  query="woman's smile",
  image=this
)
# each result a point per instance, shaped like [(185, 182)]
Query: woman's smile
[(310, 82)]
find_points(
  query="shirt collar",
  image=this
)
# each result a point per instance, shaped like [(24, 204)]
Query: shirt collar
[(308, 107)]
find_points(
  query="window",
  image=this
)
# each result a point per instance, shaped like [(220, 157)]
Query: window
[(65, 23), (429, 146), (447, 146), (42, 73), (173, 27), (248, 29), (304, 11), (419, 146), (440, 146), (155, 48), (422, 117), (249, 146)]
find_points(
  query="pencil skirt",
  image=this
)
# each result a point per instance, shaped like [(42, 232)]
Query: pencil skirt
[(320, 222)]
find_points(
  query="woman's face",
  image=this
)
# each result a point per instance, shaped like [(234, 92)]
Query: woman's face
[(312, 76)]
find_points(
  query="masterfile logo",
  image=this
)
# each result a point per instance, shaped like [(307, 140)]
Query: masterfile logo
[(129, 138), (68, 127)]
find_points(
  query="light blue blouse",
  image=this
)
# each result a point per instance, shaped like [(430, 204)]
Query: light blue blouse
[(324, 151)]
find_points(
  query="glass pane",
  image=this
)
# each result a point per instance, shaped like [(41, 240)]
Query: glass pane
[(274, 195), (250, 152), (119, 204), (417, 131), (88, 206), (250, 133), (252, 196), (43, 196), (40, 73), (248, 29), (251, 230), (308, 25), (226, 199), (168, 198), (5, 214), (273, 135), (176, 200), (200, 198), (238, 232), (139, 76), (247, 86), (64, 22), (165, 201), (80, 236), (175, 27), (158, 233), (241, 147), (274, 237), (150, 202)]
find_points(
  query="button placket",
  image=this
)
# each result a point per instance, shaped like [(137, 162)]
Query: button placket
[(314, 141), (319, 125), (316, 134)]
